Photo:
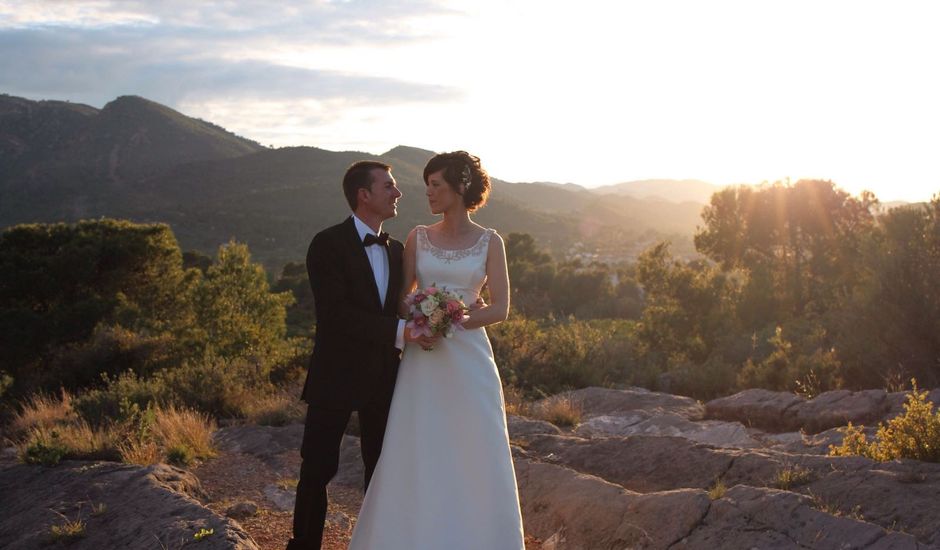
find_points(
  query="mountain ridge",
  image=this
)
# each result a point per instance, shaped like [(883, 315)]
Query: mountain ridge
[(143, 161)]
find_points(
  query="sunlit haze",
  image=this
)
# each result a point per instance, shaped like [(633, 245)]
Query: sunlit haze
[(591, 93)]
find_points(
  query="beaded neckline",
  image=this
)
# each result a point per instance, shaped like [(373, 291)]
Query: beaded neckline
[(450, 255)]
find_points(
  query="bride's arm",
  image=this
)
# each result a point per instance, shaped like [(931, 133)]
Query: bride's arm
[(497, 279), (409, 281)]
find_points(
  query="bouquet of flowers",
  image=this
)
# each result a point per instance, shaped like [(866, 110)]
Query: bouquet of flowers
[(433, 311)]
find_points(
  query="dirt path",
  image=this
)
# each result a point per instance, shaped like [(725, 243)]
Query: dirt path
[(232, 478)]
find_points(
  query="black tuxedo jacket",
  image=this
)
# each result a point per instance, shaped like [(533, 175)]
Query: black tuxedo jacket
[(354, 353)]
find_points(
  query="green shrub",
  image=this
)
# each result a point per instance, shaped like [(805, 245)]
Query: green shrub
[(914, 434), (44, 449), (550, 356), (223, 388), (180, 455), (114, 401)]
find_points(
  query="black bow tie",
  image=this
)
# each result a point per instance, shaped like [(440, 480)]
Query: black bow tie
[(371, 239)]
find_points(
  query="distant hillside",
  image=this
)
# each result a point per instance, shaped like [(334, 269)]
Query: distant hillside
[(663, 189), (83, 154), (143, 161)]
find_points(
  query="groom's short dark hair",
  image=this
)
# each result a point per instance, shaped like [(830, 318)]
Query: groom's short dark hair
[(359, 176)]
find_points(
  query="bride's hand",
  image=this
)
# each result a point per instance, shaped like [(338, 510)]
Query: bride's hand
[(426, 342)]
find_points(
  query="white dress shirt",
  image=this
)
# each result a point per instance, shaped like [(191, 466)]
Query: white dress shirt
[(378, 259)]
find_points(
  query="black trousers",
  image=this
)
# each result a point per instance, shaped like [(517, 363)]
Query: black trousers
[(323, 435)]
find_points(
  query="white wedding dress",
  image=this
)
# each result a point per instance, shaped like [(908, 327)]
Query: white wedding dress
[(445, 479)]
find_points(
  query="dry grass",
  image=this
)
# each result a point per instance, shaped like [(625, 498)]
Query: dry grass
[(177, 428), (84, 441), (48, 429), (288, 483), (559, 410), (278, 409), (144, 453), (69, 530), (717, 490), (42, 411), (791, 476), (515, 402)]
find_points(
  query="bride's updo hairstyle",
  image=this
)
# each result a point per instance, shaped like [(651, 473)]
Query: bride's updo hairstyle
[(460, 167)]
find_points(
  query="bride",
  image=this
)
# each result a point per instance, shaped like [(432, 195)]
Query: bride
[(445, 477)]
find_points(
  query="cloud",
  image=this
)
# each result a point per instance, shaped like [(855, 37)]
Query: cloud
[(93, 65), (340, 22), (180, 51)]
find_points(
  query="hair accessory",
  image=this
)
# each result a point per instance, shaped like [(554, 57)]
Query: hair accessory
[(465, 175)]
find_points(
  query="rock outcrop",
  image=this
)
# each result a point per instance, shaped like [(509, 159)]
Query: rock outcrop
[(119, 505), (641, 470), (786, 412), (900, 495)]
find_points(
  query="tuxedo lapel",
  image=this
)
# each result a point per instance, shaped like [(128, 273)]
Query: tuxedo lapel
[(362, 261)]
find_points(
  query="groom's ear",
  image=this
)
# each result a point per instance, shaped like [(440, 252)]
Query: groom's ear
[(362, 194)]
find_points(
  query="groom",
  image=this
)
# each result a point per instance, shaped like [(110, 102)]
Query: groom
[(356, 273)]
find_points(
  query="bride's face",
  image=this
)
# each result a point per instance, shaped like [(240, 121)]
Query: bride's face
[(441, 196)]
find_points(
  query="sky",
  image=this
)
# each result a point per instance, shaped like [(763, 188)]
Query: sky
[(587, 92)]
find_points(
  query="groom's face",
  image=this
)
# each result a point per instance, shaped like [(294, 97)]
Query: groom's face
[(382, 197)]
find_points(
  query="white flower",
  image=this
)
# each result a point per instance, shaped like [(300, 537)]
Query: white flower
[(428, 306)]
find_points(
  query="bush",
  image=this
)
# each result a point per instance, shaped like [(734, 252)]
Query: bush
[(914, 434), (138, 435), (540, 358), (43, 448), (223, 388), (180, 455), (559, 410), (110, 351), (183, 433), (42, 412), (60, 281), (113, 402), (277, 409)]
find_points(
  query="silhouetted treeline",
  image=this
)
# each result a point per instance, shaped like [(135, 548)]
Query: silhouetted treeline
[(109, 307), (800, 287), (804, 288)]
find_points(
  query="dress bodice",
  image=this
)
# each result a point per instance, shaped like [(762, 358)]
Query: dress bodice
[(462, 271)]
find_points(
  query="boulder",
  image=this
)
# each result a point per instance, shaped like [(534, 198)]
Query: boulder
[(271, 443), (639, 463), (604, 401), (710, 432), (785, 412), (893, 495), (242, 510), (839, 407), (520, 426), (573, 511), (121, 506), (757, 408), (260, 441)]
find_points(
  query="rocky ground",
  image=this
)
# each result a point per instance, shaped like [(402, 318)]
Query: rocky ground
[(641, 470)]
